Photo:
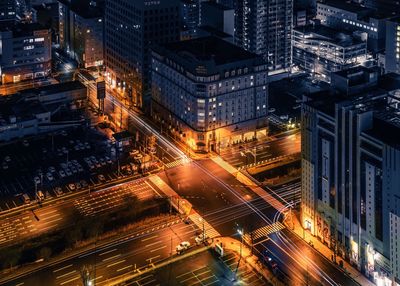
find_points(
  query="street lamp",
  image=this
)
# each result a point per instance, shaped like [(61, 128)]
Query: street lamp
[(241, 233)]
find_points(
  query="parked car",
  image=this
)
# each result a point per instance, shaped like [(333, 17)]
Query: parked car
[(49, 176), (62, 174), (40, 195), (101, 178), (36, 180), (58, 191), (71, 186)]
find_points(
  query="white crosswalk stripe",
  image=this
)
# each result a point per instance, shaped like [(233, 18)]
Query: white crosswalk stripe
[(175, 163), (208, 229), (264, 231)]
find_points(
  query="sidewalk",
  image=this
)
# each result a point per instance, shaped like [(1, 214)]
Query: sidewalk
[(326, 251), (232, 244)]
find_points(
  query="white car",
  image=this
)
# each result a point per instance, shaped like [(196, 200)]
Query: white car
[(199, 239), (49, 177), (71, 186), (62, 173), (36, 180), (184, 245)]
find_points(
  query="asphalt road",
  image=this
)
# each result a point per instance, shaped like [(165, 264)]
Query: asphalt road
[(115, 259), (256, 152), (227, 207)]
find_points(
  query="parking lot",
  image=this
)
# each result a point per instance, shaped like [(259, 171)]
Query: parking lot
[(51, 165)]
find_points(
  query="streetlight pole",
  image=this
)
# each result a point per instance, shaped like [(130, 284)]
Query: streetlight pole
[(241, 233)]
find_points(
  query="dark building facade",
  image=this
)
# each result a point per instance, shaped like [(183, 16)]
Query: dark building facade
[(131, 28), (350, 195)]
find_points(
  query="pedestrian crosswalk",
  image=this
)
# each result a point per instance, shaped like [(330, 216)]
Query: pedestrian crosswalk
[(264, 231), (201, 223), (177, 163)]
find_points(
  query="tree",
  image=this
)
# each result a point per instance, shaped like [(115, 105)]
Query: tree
[(45, 253)]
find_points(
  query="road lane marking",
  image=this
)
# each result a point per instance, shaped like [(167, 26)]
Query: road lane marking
[(66, 274), (159, 248), (70, 280), (62, 268), (112, 257), (153, 243), (147, 282), (107, 252), (123, 268), (116, 263), (148, 238)]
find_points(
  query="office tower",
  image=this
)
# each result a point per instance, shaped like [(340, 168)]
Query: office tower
[(25, 52), (350, 170), (190, 18), (219, 17), (352, 17), (321, 50), (392, 54), (210, 92), (264, 27), (8, 11), (81, 32), (131, 28), (388, 5)]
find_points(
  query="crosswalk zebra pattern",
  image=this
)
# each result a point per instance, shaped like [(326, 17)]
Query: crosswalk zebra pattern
[(264, 231), (176, 163), (208, 229)]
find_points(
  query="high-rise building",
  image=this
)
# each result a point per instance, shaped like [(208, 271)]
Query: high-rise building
[(190, 18), (321, 50), (388, 5), (131, 28), (211, 93), (392, 53), (81, 32), (355, 18), (25, 51), (8, 10), (264, 27), (350, 167)]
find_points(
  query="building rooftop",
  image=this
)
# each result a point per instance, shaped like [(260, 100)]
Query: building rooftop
[(351, 7), (55, 88), (205, 55), (215, 5), (22, 29), (320, 32), (386, 124)]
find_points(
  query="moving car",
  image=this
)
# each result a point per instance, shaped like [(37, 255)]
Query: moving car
[(200, 238), (184, 245)]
